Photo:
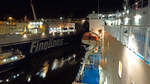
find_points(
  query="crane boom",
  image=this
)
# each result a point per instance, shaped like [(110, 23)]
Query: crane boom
[(33, 11)]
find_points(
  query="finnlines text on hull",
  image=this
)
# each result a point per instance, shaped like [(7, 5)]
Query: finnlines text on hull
[(38, 46)]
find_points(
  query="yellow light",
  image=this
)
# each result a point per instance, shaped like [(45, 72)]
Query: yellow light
[(41, 26), (43, 34), (45, 69), (10, 18), (83, 21), (53, 33), (30, 26)]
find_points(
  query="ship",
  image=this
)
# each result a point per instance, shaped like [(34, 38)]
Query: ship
[(132, 26), (37, 36), (129, 28), (33, 40), (10, 57)]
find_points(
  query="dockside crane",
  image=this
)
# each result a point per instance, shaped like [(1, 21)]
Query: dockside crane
[(33, 11)]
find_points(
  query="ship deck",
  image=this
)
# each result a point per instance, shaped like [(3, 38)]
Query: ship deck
[(132, 65), (115, 53), (90, 74)]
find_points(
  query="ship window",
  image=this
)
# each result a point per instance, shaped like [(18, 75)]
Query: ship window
[(120, 69)]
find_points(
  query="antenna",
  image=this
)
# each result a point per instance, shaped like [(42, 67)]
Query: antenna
[(33, 11)]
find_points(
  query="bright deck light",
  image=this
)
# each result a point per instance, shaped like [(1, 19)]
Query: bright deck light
[(25, 36), (119, 21), (126, 20), (127, 11), (137, 18), (43, 33)]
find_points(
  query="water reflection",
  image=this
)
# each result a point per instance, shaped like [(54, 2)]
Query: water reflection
[(44, 70), (60, 63), (55, 64), (46, 67), (29, 78)]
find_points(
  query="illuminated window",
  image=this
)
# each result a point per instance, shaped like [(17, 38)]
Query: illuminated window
[(120, 69)]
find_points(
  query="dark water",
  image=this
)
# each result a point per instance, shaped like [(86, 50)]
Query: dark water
[(54, 66)]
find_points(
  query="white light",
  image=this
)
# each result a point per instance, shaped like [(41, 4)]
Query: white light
[(25, 36), (37, 73), (29, 79), (61, 18), (132, 44), (43, 75), (15, 57), (109, 15), (126, 20), (108, 22), (4, 60), (105, 81), (125, 7), (17, 75), (17, 32), (12, 58), (120, 69), (119, 21), (119, 15), (41, 23), (103, 15), (123, 13), (137, 18), (74, 55), (7, 80), (14, 76), (1, 81), (127, 11), (55, 64)]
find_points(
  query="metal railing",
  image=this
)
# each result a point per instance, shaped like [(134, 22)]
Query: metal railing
[(139, 4), (136, 38)]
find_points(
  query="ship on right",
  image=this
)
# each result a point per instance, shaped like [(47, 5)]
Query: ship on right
[(127, 44), (124, 46)]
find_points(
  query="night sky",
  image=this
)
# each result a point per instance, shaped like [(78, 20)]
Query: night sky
[(56, 8)]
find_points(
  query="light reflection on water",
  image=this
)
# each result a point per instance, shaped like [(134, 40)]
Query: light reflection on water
[(55, 64), (42, 73), (48, 66), (29, 78)]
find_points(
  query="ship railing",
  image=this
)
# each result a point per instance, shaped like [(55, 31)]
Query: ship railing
[(134, 37), (139, 4)]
